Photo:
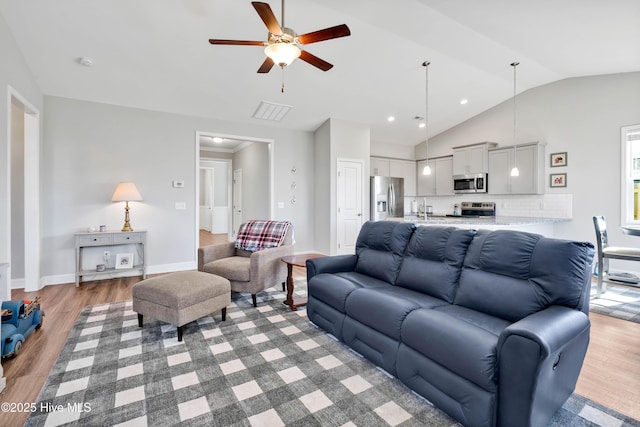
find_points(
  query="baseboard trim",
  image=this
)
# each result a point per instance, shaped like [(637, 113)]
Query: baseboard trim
[(63, 279)]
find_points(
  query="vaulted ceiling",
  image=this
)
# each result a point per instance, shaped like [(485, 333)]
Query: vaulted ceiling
[(154, 54)]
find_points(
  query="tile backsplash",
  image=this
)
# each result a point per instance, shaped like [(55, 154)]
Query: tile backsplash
[(535, 206)]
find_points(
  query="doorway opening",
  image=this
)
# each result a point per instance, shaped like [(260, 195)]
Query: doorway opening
[(24, 194), (234, 183)]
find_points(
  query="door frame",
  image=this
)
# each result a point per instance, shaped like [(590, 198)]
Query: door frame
[(196, 193), (32, 280)]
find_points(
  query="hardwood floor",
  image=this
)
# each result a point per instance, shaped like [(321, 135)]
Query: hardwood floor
[(610, 375)]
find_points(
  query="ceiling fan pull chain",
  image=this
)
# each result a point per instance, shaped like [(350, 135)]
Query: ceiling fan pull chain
[(282, 79)]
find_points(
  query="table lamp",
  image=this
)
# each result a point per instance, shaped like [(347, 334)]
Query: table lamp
[(126, 192)]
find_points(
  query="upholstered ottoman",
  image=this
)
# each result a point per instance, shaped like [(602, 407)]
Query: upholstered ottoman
[(182, 297)]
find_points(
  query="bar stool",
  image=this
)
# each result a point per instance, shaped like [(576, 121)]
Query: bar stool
[(606, 252)]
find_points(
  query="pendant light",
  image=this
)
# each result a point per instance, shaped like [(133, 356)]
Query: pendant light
[(514, 171), (426, 170)]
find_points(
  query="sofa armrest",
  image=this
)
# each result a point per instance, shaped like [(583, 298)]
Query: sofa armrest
[(213, 252), (539, 360), (330, 264)]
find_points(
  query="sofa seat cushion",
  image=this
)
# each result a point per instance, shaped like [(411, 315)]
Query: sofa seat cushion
[(234, 268), (495, 325), (454, 343), (382, 311), (333, 289)]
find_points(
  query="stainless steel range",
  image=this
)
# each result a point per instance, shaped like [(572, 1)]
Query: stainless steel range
[(477, 209)]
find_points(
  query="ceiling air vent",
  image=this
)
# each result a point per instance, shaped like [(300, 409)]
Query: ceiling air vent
[(270, 111)]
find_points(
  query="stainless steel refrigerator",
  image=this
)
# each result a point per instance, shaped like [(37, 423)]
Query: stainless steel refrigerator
[(387, 198)]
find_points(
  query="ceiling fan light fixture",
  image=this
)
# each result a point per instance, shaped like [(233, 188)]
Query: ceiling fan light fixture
[(282, 54)]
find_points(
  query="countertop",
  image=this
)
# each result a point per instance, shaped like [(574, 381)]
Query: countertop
[(483, 221)]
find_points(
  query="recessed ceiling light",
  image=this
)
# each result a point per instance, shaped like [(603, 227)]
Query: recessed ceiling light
[(390, 118), (86, 61), (463, 101), (217, 139), (421, 125)]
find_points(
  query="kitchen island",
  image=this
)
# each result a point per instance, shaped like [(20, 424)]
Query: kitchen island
[(544, 226)]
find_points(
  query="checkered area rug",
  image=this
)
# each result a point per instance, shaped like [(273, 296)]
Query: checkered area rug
[(622, 302), (264, 366)]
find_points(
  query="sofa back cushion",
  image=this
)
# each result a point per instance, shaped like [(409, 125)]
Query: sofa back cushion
[(380, 248), (433, 260), (512, 274)]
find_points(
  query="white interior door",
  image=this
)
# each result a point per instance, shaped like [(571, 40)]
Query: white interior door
[(350, 203), (237, 200), (206, 199)]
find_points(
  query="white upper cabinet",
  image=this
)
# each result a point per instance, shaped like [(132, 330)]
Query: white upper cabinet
[(379, 167), (440, 182), (396, 168), (529, 158), (469, 159), (405, 169), (427, 183)]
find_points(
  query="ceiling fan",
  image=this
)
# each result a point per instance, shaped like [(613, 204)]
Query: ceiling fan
[(283, 44)]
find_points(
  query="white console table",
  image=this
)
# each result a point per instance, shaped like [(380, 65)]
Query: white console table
[(105, 239)]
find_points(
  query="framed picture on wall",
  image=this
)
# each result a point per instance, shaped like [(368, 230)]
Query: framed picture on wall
[(124, 261), (558, 159), (558, 180)]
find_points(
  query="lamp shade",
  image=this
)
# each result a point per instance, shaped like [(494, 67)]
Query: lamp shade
[(126, 192), (282, 53)]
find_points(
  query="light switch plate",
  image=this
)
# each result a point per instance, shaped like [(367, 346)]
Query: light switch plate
[(181, 206), (280, 205)]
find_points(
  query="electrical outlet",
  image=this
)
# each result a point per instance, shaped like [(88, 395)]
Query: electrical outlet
[(106, 255)]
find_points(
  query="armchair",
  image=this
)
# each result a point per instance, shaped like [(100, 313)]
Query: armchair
[(248, 272)]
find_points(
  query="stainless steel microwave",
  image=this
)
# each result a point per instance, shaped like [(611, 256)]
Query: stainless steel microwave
[(473, 183)]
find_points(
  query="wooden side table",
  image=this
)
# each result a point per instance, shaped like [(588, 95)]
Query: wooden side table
[(297, 261)]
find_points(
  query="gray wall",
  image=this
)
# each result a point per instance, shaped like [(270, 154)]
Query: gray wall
[(581, 116), (254, 162), (17, 192), (90, 147), (336, 139), (14, 73)]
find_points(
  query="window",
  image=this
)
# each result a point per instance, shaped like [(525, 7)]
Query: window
[(630, 138)]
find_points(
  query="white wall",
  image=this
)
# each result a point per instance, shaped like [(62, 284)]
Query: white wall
[(89, 147), (336, 139), (14, 73), (581, 116)]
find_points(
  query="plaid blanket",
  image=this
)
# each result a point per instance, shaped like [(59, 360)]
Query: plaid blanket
[(256, 235)]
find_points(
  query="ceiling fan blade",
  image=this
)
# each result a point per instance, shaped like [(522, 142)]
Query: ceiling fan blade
[(326, 34), (237, 42), (267, 16), (315, 61), (266, 65)]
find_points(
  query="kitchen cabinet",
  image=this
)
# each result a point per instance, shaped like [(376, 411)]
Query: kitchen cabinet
[(468, 159), (405, 169), (379, 166), (427, 183), (396, 168), (530, 161), (440, 182)]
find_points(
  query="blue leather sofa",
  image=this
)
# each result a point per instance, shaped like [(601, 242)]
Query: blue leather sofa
[(490, 326)]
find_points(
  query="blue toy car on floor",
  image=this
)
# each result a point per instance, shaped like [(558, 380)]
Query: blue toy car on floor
[(19, 320)]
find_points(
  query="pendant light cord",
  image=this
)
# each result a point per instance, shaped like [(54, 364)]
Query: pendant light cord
[(426, 64), (514, 65)]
